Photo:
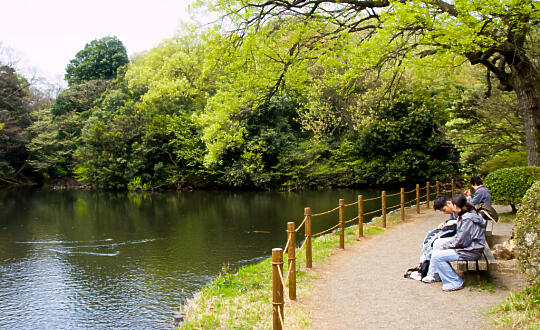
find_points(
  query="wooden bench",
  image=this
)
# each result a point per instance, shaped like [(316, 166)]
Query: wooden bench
[(486, 259), (487, 256)]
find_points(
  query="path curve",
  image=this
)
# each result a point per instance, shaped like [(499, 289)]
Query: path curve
[(362, 287)]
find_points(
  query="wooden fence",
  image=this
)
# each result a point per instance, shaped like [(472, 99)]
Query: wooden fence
[(279, 283)]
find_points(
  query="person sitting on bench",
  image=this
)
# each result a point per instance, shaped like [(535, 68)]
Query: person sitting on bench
[(481, 193), (467, 244), (445, 231)]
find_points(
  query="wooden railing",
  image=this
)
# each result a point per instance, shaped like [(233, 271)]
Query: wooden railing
[(279, 283)]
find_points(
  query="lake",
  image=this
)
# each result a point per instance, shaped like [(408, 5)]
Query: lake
[(82, 259)]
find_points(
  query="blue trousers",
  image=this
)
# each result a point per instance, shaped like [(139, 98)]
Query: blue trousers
[(440, 262), (436, 246)]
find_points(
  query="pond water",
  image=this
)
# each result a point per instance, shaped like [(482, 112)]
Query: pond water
[(79, 259)]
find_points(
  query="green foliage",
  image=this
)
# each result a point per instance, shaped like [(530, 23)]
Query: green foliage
[(510, 159), (508, 185), (100, 59), (485, 128), (80, 97), (53, 141), (15, 98), (527, 234), (519, 310), (140, 133), (402, 142)]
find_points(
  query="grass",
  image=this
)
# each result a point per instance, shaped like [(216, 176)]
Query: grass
[(507, 217), (480, 282), (243, 300), (519, 310)]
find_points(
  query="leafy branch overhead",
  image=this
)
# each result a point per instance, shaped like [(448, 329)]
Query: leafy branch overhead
[(494, 34)]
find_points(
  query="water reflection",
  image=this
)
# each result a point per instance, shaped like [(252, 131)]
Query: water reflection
[(77, 259)]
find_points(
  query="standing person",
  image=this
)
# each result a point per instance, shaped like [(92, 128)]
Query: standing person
[(467, 244), (481, 193)]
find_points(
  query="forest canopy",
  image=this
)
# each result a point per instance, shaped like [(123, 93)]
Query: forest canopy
[(288, 95)]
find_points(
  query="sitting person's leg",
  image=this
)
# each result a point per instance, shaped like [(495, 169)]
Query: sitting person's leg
[(432, 275), (437, 244), (440, 261)]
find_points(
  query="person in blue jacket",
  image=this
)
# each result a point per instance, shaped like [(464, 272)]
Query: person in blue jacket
[(467, 244), (481, 193)]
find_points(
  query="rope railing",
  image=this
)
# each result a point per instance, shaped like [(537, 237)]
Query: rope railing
[(351, 220), (290, 304), (325, 231), (300, 226), (372, 199), (391, 195), (287, 244), (301, 248), (392, 208), (411, 201), (372, 212), (280, 283), (323, 213), (389, 207)]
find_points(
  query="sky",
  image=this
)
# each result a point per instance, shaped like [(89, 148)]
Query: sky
[(44, 35)]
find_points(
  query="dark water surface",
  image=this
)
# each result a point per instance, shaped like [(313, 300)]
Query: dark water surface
[(79, 259)]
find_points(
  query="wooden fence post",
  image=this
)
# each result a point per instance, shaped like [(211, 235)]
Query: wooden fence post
[(438, 189), (453, 187), (417, 198), (402, 195), (383, 204), (307, 214), (341, 225), (427, 194), (360, 216), (291, 258), (277, 289)]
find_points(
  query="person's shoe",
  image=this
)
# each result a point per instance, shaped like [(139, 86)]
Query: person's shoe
[(454, 289), (429, 279), (416, 276)]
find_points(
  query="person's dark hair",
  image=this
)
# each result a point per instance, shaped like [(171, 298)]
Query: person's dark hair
[(440, 202), (476, 181), (460, 201)]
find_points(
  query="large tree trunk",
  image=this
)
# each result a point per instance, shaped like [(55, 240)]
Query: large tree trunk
[(527, 87)]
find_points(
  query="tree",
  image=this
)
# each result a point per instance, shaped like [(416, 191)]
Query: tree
[(14, 118), (100, 59), (402, 141), (486, 126), (499, 35)]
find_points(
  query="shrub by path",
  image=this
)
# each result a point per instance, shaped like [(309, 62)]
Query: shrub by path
[(362, 287)]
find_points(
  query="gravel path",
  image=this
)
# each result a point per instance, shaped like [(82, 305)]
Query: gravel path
[(362, 287)]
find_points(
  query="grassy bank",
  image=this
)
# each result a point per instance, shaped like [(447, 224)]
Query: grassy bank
[(520, 310), (242, 300)]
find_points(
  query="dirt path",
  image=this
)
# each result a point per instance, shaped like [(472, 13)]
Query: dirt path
[(362, 287)]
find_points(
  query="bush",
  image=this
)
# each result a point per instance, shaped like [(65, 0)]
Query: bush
[(511, 159), (527, 234), (508, 185)]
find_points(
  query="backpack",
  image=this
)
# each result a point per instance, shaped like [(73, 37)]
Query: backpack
[(423, 269), (487, 212)]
